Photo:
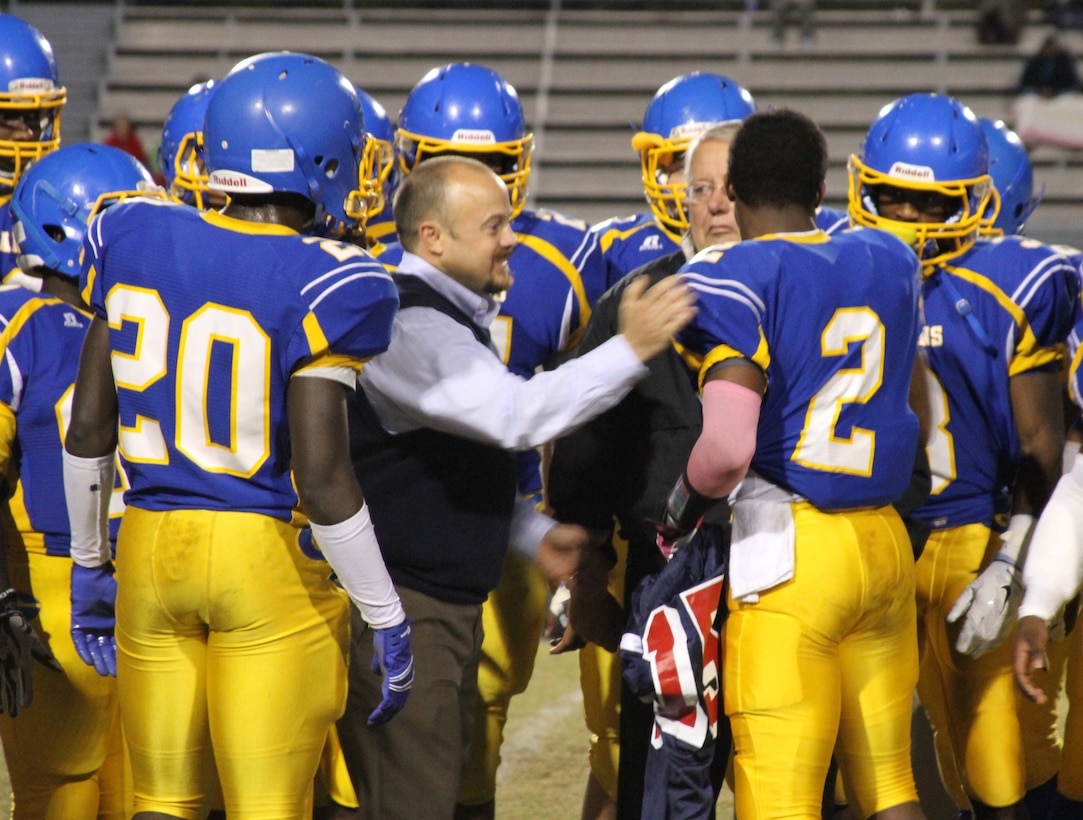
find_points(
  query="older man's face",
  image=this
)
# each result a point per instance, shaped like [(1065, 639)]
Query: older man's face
[(710, 212)]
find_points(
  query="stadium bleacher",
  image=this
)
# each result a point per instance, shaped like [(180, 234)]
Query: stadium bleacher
[(586, 70)]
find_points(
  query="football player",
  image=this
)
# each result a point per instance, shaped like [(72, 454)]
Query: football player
[(682, 108), (820, 646), (1052, 576), (223, 375), (471, 110), (1013, 180), (617, 469), (1013, 177), (179, 154), (380, 223), (30, 103), (996, 313), (57, 748)]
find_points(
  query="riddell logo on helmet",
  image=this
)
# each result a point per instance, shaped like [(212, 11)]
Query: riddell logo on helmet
[(238, 183), (232, 180), (903, 170), (474, 136), (30, 85), (688, 129)]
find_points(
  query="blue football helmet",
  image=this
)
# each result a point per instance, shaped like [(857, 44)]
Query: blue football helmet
[(680, 110), (467, 109), (381, 147), (180, 154), (1013, 179), (59, 195), (289, 123), (927, 143), (30, 96)]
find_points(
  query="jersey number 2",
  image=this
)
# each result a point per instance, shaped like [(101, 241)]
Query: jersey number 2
[(820, 447)]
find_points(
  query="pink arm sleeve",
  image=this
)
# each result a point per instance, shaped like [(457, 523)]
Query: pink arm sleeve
[(720, 459)]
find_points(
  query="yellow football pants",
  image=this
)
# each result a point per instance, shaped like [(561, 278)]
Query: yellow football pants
[(831, 653), (57, 748), (971, 702), (230, 638)]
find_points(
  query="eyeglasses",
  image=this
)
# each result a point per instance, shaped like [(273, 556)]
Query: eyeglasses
[(702, 191)]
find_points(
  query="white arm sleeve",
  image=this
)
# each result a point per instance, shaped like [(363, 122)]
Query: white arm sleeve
[(354, 554), (1054, 567), (88, 485)]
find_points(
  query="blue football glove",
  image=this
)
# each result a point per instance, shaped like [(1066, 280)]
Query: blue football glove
[(394, 659), (93, 600)]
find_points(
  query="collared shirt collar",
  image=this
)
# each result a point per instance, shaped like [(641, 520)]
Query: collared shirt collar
[(481, 309)]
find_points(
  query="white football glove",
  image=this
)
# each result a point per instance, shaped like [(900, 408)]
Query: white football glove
[(990, 603)]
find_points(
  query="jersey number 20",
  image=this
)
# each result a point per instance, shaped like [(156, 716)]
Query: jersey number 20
[(249, 428)]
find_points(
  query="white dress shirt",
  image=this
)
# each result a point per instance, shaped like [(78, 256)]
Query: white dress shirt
[(436, 375)]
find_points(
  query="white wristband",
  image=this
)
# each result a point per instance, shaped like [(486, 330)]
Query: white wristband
[(88, 486), (1071, 450), (1016, 539), (354, 554), (1054, 569)]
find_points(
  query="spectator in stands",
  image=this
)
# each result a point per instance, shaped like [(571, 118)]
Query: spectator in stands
[(1001, 22), (807, 14), (124, 137), (1051, 71)]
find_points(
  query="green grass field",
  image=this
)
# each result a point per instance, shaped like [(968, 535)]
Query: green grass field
[(544, 767), (6, 806)]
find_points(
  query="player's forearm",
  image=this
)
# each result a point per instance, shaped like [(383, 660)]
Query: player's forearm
[(319, 435), (1054, 568), (351, 548), (92, 432), (88, 486), (1037, 409)]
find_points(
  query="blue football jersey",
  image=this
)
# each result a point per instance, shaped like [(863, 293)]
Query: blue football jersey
[(833, 323), (209, 318), (1075, 349), (830, 220), (381, 229), (40, 347), (1001, 308), (12, 298), (628, 242), (8, 247)]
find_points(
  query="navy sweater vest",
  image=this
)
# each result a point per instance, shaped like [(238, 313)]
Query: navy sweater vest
[(441, 504)]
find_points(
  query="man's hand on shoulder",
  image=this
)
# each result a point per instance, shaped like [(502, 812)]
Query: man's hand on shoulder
[(650, 317)]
